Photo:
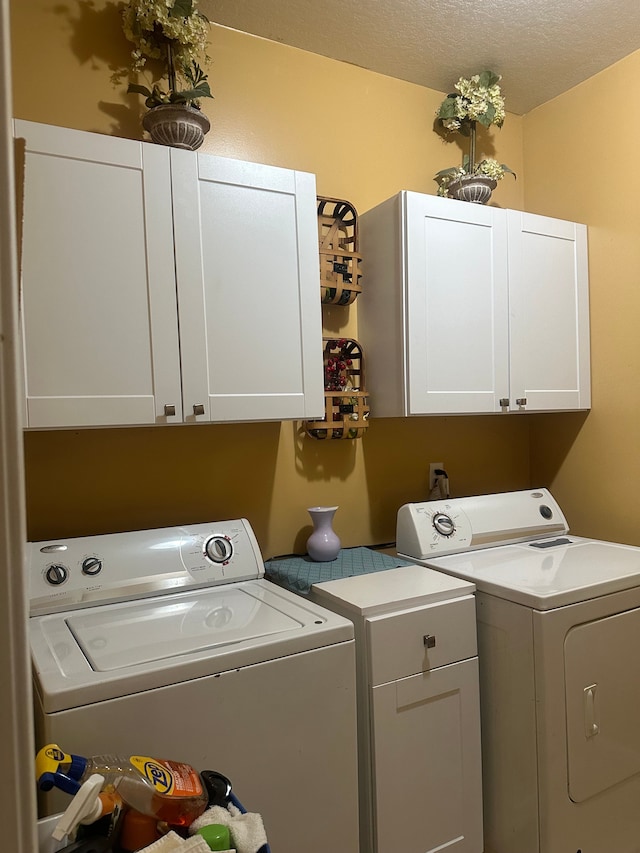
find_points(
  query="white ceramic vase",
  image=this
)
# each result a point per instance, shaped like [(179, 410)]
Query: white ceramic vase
[(323, 545)]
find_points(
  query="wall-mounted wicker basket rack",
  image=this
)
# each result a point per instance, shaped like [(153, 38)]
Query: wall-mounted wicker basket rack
[(340, 263), (346, 401)]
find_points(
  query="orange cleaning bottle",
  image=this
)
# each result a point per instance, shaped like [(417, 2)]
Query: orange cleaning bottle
[(170, 791)]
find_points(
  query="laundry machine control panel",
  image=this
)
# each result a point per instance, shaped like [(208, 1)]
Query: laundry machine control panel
[(436, 528), (91, 570)]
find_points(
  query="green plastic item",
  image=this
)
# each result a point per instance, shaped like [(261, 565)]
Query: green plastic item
[(217, 836)]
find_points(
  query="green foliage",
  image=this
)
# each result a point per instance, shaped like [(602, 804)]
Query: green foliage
[(156, 96)]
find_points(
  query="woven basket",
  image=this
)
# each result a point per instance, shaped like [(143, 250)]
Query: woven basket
[(346, 402), (340, 271)]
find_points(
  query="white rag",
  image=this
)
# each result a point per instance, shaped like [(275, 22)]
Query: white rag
[(173, 843), (247, 830)]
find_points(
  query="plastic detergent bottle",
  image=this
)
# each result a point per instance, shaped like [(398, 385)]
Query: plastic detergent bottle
[(167, 790)]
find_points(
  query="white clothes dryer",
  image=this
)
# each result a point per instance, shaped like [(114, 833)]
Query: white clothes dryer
[(558, 636), (171, 643)]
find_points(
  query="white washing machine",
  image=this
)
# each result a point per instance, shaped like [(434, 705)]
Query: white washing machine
[(559, 638), (171, 643)]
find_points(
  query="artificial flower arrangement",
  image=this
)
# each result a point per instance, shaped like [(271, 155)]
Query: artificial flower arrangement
[(174, 33), (477, 99)]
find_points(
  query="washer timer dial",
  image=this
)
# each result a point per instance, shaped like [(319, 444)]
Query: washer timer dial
[(56, 574), (218, 549)]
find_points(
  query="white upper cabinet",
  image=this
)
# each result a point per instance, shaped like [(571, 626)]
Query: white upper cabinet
[(248, 289), (99, 324), (164, 286), (471, 309)]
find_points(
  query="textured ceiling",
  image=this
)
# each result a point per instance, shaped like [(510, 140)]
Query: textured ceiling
[(540, 47)]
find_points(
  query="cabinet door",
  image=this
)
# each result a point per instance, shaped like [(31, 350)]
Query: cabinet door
[(456, 312), (248, 290), (549, 313), (426, 762), (99, 318)]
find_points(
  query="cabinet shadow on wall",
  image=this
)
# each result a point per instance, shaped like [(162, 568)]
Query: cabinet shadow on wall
[(97, 37), (481, 454), (323, 459), (89, 481), (551, 439)]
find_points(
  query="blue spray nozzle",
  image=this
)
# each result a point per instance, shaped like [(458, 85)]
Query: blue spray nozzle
[(58, 780)]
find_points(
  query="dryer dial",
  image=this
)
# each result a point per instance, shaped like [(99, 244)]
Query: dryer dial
[(443, 524), (218, 549)]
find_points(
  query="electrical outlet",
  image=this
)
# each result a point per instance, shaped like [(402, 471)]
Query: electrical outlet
[(433, 467)]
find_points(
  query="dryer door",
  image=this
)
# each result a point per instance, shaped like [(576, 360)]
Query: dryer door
[(602, 677)]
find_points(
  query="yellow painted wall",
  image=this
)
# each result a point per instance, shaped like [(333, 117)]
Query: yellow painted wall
[(366, 137), (581, 162)]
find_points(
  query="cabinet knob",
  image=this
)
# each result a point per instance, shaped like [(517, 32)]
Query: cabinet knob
[(169, 410), (429, 641), (521, 401), (198, 409), (504, 402)]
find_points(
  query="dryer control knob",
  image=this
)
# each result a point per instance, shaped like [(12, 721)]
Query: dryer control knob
[(443, 524), (56, 574), (218, 549)]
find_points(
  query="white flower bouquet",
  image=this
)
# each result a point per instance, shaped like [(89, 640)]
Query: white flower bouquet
[(174, 33), (477, 99)]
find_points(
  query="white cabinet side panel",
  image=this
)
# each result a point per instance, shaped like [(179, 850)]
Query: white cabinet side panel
[(381, 308), (508, 713)]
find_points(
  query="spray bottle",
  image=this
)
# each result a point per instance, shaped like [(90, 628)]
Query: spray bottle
[(167, 790)]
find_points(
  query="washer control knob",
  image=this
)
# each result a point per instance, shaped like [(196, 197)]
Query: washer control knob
[(91, 566), (218, 549), (443, 524), (56, 574)]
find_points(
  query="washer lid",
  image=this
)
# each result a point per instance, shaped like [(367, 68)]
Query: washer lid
[(148, 631), (547, 573), (113, 650)]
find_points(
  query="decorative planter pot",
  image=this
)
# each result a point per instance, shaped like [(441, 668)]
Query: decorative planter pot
[(323, 545), (176, 125), (474, 188)]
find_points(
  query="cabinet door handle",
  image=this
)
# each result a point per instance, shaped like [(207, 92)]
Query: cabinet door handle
[(521, 401), (198, 409), (169, 410), (504, 402), (429, 641)]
